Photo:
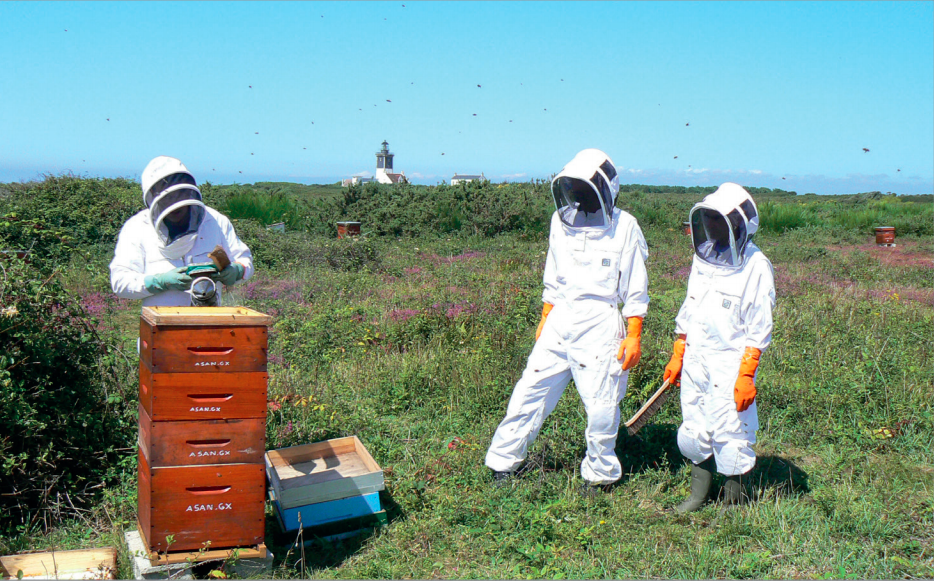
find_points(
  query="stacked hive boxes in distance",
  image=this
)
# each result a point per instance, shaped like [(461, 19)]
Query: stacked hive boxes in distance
[(324, 482), (202, 427)]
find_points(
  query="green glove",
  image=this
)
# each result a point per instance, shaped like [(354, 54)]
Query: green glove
[(174, 280), (231, 274)]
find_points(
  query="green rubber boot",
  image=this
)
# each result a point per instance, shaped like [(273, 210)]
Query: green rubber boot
[(701, 478), (734, 490)]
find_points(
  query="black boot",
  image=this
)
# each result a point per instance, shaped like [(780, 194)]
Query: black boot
[(592, 490), (701, 478), (502, 478), (735, 490)]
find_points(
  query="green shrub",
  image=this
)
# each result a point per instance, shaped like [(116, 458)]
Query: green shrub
[(65, 417), (90, 211)]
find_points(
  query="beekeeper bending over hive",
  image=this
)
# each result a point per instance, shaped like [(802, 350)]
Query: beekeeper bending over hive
[(724, 326), (596, 260), (175, 230)]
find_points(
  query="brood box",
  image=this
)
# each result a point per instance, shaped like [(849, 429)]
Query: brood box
[(223, 504), (201, 442), (202, 396), (324, 471)]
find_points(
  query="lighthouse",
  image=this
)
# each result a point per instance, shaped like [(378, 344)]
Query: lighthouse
[(384, 173)]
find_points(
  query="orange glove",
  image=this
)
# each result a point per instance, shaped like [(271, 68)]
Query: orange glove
[(673, 369), (631, 348), (546, 309), (745, 390)]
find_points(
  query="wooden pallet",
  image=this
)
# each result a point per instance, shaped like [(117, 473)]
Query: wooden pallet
[(91, 564)]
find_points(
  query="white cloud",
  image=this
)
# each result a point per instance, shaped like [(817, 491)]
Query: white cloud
[(514, 176), (363, 174)]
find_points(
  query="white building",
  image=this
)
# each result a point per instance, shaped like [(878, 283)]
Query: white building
[(464, 178), (384, 173), (356, 180)]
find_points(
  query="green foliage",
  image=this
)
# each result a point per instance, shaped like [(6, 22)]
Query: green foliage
[(89, 210), (43, 246), (265, 208), (64, 412), (471, 208), (859, 213)]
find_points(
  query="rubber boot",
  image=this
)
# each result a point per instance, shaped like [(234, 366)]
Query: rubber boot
[(503, 478), (734, 490), (701, 478)]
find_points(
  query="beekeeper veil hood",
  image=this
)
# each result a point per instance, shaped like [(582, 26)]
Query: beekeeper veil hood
[(722, 225), (585, 190), (176, 210)]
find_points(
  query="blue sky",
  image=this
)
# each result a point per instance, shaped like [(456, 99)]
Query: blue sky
[(745, 92)]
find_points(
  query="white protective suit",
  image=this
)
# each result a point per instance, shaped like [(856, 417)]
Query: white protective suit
[(138, 254), (588, 272), (727, 308), (143, 249)]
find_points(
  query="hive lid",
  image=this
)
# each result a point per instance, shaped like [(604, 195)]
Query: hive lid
[(197, 316)]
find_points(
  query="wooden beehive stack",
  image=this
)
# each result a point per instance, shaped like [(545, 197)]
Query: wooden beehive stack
[(202, 419)]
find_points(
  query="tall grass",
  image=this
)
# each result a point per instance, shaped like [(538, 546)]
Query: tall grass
[(851, 213), (264, 208)]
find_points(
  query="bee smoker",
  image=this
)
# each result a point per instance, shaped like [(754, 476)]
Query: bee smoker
[(203, 293)]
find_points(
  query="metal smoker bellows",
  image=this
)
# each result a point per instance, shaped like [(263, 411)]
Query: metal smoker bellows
[(204, 292)]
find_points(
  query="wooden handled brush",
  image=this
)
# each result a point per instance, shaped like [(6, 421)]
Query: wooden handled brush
[(652, 405)]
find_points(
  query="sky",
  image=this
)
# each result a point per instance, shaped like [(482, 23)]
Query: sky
[(772, 94)]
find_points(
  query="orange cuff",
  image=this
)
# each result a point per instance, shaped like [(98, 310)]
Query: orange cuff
[(750, 362), (634, 327)]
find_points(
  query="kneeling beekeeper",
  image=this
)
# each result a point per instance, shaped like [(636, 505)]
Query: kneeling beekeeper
[(596, 260), (157, 245), (723, 326)]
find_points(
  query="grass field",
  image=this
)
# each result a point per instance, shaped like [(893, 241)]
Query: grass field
[(414, 344)]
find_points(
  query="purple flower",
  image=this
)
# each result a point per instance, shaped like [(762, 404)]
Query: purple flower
[(403, 314)]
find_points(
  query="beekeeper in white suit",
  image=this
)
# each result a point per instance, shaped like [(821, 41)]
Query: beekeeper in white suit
[(723, 326), (175, 230), (596, 260)]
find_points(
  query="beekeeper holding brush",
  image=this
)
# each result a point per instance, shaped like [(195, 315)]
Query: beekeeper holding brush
[(175, 230), (596, 260), (723, 327)]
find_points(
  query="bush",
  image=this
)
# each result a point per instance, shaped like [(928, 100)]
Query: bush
[(90, 211), (63, 414)]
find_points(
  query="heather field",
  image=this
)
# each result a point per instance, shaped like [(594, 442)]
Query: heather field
[(412, 336)]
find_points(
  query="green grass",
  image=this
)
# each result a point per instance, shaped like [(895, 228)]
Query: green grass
[(408, 343)]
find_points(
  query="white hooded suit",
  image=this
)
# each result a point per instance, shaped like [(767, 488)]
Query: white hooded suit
[(588, 272), (139, 253), (727, 309)]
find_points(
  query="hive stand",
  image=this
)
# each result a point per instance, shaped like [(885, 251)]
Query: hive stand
[(247, 565)]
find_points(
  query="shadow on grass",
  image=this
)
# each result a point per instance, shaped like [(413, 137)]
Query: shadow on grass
[(780, 475), (653, 447), (656, 447), (326, 545)]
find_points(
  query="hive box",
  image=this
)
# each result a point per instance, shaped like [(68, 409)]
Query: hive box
[(325, 471), (223, 504), (201, 442), (295, 518), (203, 339)]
